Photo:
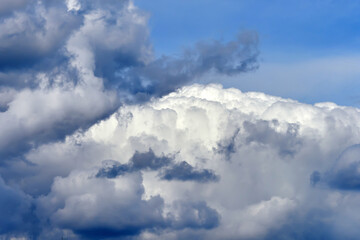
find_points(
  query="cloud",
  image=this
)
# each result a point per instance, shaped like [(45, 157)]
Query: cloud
[(261, 132), (168, 73), (166, 149), (102, 207), (168, 170), (81, 85), (344, 173), (139, 161), (98, 207), (7, 6), (34, 35), (185, 172), (261, 217), (195, 215), (16, 210), (64, 65)]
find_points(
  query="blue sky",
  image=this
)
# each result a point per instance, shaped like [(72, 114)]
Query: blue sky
[(292, 35)]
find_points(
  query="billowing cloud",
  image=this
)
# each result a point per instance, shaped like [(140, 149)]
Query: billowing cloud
[(100, 140), (98, 208), (102, 207), (200, 163), (66, 64)]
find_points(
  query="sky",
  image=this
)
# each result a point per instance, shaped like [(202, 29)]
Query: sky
[(147, 120), (311, 44)]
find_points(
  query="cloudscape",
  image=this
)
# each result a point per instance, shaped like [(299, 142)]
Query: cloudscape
[(103, 137)]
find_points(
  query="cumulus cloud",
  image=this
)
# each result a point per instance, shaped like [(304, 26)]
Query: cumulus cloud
[(98, 208), (102, 207), (284, 177), (100, 140), (66, 64)]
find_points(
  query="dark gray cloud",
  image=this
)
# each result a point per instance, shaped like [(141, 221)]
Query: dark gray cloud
[(17, 212), (115, 169), (148, 161), (345, 179), (139, 161), (344, 174), (185, 172), (228, 146), (168, 73), (169, 170)]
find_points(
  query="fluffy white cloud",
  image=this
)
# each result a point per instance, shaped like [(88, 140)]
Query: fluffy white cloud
[(241, 164)]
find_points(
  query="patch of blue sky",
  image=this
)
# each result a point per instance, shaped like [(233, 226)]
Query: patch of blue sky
[(310, 50)]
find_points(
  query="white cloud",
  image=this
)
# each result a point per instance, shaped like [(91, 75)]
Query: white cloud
[(73, 5), (263, 148)]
